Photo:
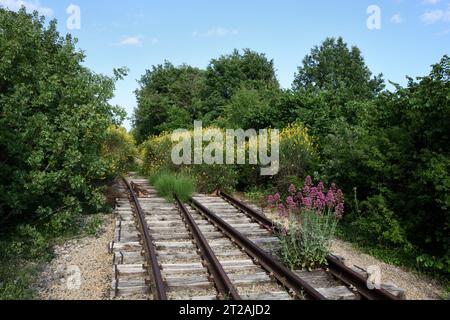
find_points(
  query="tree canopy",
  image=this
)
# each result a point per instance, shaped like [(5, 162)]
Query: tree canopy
[(334, 67), (169, 98)]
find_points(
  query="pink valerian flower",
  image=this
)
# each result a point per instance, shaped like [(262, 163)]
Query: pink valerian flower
[(291, 203), (276, 197), (330, 199), (292, 189), (339, 211), (311, 198), (308, 181), (320, 202), (313, 192), (306, 190), (320, 187), (307, 203), (339, 196)]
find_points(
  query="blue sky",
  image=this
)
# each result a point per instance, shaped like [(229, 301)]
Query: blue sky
[(140, 33)]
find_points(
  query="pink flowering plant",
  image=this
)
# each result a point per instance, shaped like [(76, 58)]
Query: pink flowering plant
[(311, 215)]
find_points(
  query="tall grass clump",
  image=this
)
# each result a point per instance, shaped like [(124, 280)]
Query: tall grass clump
[(167, 184)]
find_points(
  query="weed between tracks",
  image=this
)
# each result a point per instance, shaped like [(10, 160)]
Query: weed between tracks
[(168, 184)]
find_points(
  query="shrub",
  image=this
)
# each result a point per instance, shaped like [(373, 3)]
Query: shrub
[(157, 157), (119, 151), (297, 154), (50, 164)]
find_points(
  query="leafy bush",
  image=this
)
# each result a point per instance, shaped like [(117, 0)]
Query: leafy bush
[(50, 164), (312, 217), (54, 120), (119, 151), (156, 153), (298, 155)]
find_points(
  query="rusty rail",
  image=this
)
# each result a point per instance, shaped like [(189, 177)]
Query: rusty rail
[(148, 246), (220, 278), (351, 277), (265, 222), (336, 267), (279, 271)]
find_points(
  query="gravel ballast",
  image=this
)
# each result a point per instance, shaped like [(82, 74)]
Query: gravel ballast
[(417, 286), (81, 269)]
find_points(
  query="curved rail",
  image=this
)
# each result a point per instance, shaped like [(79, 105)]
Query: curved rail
[(148, 246), (220, 278), (279, 271), (336, 266)]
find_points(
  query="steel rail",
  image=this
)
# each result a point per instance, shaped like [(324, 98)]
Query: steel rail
[(279, 271), (220, 278), (353, 278), (148, 246), (336, 266), (252, 213)]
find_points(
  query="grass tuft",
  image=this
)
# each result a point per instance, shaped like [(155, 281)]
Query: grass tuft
[(169, 183)]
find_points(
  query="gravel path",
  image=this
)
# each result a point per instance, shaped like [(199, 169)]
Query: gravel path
[(81, 269), (417, 286)]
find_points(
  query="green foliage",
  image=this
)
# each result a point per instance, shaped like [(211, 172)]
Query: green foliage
[(210, 178), (168, 184), (54, 120), (168, 99), (306, 242), (380, 225), (398, 157), (229, 73), (335, 68), (93, 225), (252, 109), (156, 154), (392, 147), (298, 155), (51, 162), (119, 151)]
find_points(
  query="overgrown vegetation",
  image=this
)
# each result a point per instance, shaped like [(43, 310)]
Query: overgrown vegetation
[(311, 214), (59, 144), (387, 149), (297, 154), (167, 184)]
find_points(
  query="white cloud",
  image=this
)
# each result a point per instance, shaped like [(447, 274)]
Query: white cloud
[(431, 1), (396, 18), (30, 6), (134, 41), (435, 16), (217, 32)]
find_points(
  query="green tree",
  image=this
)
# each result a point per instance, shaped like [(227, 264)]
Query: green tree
[(334, 67), (169, 98), (230, 73), (252, 109)]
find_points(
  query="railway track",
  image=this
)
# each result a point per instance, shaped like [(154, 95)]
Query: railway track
[(210, 248)]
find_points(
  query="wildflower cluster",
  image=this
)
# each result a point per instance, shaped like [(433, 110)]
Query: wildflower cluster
[(310, 198)]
